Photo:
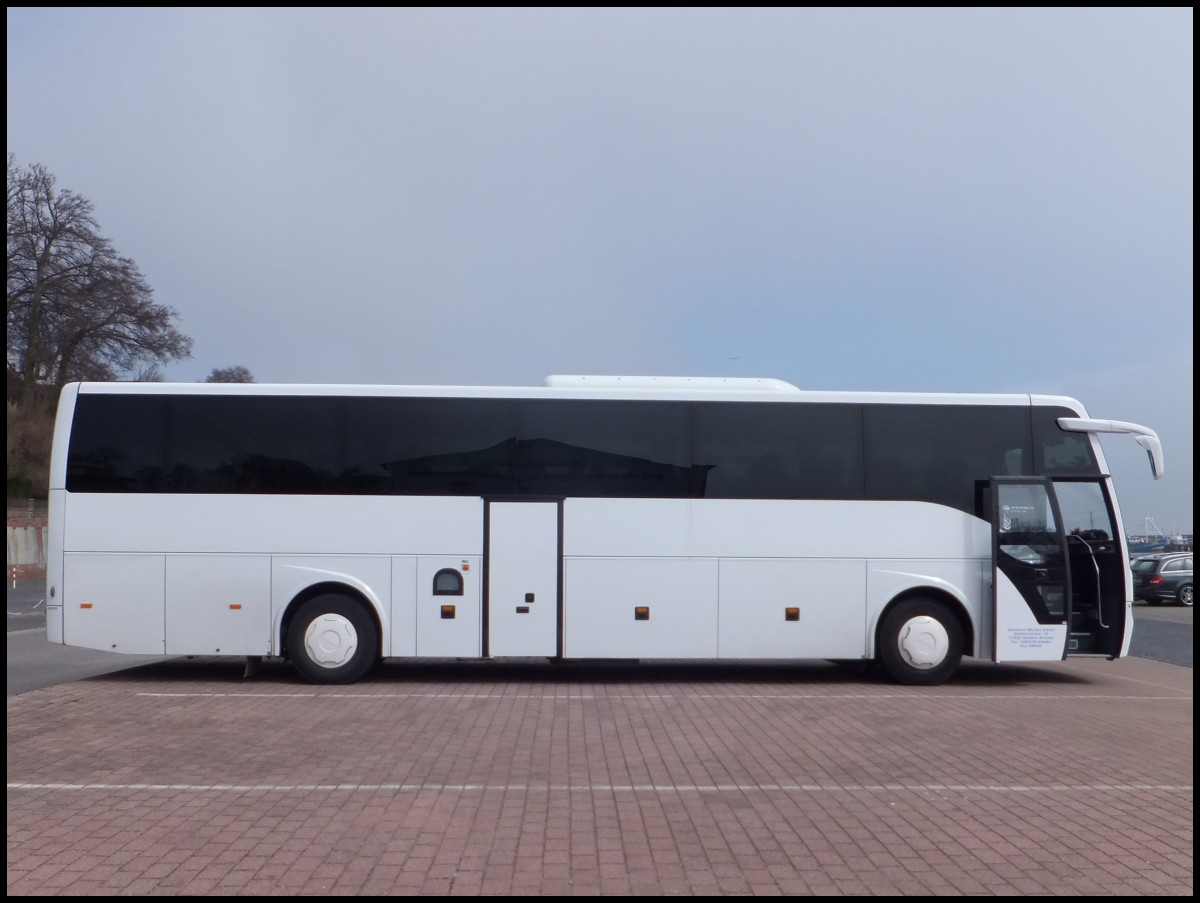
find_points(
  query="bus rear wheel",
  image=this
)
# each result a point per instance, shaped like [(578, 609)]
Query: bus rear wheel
[(332, 640), (920, 642)]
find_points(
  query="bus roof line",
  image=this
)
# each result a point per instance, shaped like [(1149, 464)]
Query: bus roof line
[(659, 392)]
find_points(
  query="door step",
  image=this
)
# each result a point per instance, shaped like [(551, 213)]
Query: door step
[(1081, 643)]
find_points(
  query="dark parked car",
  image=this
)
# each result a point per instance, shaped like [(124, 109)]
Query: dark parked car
[(1166, 577)]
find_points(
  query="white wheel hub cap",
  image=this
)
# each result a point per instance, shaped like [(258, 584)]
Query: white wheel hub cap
[(924, 642), (330, 641)]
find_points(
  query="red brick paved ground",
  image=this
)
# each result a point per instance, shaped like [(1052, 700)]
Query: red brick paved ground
[(489, 778)]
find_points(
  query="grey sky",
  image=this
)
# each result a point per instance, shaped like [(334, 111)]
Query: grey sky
[(948, 200)]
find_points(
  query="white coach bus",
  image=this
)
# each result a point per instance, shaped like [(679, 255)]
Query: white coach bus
[(592, 518)]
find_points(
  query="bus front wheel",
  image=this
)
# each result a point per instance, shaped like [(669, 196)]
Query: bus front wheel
[(920, 642), (332, 640)]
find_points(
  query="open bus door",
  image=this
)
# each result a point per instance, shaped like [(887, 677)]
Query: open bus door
[(1031, 580), (1058, 574)]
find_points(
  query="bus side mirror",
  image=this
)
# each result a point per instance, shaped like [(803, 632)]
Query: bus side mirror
[(1154, 449)]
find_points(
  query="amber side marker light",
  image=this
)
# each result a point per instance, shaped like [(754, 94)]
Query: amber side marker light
[(447, 612), (85, 604), (791, 614), (235, 606), (641, 613)]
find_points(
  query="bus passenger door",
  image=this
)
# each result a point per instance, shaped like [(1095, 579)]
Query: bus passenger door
[(522, 578), (1101, 607), (1031, 579)]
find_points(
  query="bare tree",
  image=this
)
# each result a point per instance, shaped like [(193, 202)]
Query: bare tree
[(236, 374), (28, 434), (76, 309)]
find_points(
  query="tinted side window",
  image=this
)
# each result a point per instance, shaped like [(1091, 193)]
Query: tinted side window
[(473, 446), (429, 446), (245, 444), (117, 444), (1059, 451), (616, 449), (937, 453), (798, 451)]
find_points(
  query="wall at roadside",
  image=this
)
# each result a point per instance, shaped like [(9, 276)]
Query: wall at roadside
[(26, 531)]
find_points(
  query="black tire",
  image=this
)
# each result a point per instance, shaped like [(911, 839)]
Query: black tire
[(920, 642), (332, 640), (1184, 596)]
